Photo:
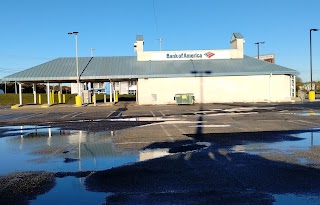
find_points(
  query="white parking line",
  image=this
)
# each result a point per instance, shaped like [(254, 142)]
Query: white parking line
[(209, 126), (303, 122), (68, 115), (120, 113), (29, 116), (152, 113), (110, 113), (165, 131), (178, 128), (73, 116), (231, 113)]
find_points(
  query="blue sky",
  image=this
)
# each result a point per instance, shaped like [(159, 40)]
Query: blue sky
[(35, 31)]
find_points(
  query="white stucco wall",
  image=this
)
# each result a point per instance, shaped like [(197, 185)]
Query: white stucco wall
[(260, 88)]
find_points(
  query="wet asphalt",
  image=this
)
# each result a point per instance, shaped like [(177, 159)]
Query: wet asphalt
[(205, 174)]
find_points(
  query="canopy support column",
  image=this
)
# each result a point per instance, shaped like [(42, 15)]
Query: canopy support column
[(34, 94), (48, 93), (60, 94), (270, 87), (137, 92), (20, 93), (111, 91)]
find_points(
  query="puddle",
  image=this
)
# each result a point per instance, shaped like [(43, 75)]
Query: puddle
[(310, 113), (162, 152), (46, 149), (30, 148), (307, 140), (296, 199), (40, 148), (153, 153), (70, 190), (24, 130)]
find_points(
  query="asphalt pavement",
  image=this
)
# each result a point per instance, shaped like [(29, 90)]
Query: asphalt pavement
[(208, 161)]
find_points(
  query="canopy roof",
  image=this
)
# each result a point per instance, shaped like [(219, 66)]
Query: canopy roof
[(127, 67)]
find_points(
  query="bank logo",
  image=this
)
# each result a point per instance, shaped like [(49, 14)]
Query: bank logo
[(209, 54)]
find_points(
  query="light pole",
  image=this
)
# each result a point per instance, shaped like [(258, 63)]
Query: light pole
[(258, 43), (313, 29), (77, 62)]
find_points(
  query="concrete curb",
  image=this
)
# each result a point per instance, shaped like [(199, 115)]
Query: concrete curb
[(16, 106)]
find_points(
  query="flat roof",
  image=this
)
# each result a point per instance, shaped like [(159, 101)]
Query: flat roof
[(127, 67)]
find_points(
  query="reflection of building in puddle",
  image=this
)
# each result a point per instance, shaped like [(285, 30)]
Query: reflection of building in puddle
[(255, 148), (75, 144), (93, 143), (153, 153), (50, 149), (301, 141), (239, 148)]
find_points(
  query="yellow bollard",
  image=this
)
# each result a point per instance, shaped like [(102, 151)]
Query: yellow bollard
[(312, 95), (52, 97), (64, 98), (40, 101), (59, 97), (78, 100), (93, 98), (116, 98)]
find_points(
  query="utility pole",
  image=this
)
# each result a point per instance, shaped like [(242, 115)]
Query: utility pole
[(160, 41), (92, 52)]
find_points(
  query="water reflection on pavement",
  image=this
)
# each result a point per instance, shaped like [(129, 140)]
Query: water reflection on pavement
[(49, 149), (30, 148), (305, 141), (44, 148)]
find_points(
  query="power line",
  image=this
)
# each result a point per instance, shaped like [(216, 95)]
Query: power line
[(10, 69), (155, 18), (157, 27)]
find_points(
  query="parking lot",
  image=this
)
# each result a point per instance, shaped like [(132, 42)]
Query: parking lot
[(244, 116), (249, 153)]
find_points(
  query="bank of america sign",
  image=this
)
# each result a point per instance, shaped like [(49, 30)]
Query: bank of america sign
[(189, 55), (185, 55)]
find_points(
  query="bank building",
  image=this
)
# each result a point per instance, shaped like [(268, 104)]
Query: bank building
[(171, 77)]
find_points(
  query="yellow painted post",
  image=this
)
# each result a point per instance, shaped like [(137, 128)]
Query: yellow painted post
[(116, 99), (312, 95), (94, 99), (78, 100), (64, 98), (40, 101), (52, 97), (59, 97)]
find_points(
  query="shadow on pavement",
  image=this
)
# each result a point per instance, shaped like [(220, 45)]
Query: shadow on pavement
[(211, 175)]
